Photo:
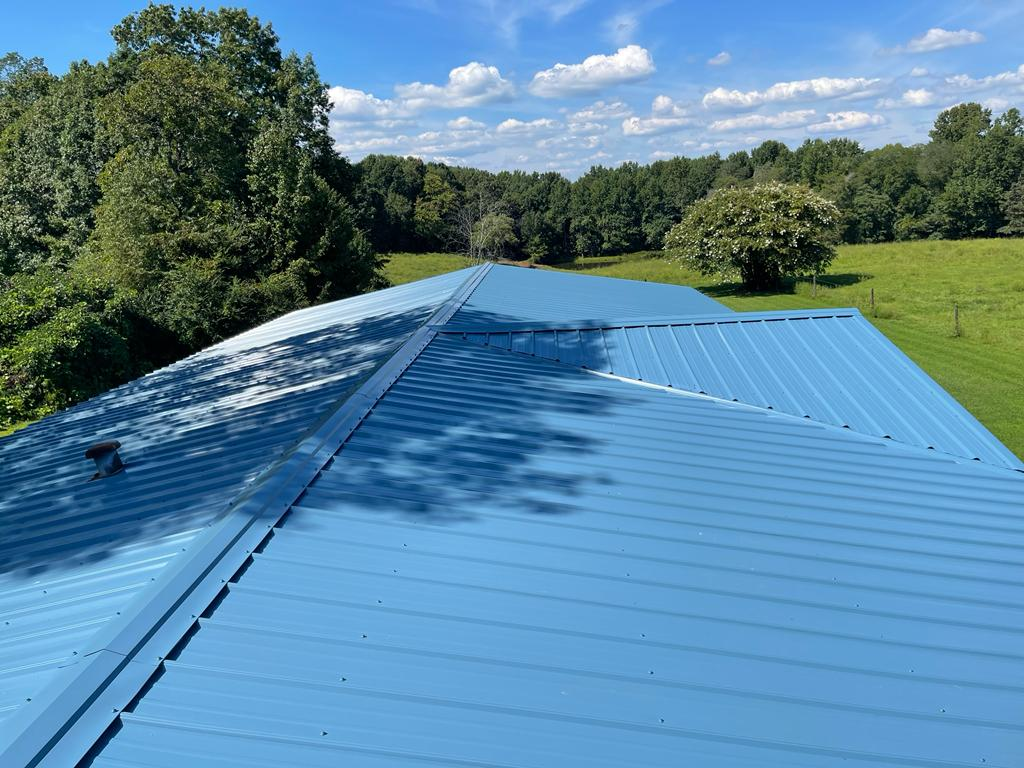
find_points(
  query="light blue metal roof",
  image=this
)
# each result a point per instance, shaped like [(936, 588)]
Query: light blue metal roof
[(482, 558), (75, 553), (512, 562), (829, 365), (510, 294)]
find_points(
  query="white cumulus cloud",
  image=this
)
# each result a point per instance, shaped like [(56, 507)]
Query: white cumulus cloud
[(665, 106), (1012, 77), (626, 65), (465, 123), (645, 126), (918, 72), (803, 90), (781, 120), (513, 126), (846, 121), (601, 110), (720, 59), (469, 85), (666, 115), (353, 104), (996, 104), (915, 97), (936, 38)]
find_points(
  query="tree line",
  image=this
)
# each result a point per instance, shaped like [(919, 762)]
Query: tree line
[(186, 188), (966, 181)]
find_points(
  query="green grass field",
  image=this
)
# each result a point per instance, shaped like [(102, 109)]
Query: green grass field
[(7, 430), (915, 286)]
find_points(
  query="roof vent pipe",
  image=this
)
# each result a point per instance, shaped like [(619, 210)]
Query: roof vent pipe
[(108, 462)]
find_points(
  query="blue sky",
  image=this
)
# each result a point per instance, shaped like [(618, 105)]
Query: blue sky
[(564, 84)]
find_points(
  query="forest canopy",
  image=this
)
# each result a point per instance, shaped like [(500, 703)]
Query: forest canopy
[(187, 187)]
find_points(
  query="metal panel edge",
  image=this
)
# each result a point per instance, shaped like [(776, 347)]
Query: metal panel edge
[(1014, 462), (597, 324)]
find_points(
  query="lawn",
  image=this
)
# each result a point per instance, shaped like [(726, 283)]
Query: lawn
[(4, 431), (915, 287)]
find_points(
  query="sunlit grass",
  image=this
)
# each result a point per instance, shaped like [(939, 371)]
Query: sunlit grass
[(405, 267), (5, 431)]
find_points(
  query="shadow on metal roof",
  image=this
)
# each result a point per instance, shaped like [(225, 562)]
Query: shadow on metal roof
[(478, 557)]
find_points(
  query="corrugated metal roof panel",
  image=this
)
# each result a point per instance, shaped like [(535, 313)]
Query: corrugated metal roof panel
[(516, 294), (194, 435), (513, 562), (828, 365)]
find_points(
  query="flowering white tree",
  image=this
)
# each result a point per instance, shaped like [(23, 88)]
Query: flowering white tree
[(758, 233)]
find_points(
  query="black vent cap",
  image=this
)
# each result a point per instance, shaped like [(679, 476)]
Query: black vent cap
[(100, 449), (108, 462)]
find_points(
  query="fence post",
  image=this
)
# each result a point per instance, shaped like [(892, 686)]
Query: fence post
[(814, 285), (956, 319)]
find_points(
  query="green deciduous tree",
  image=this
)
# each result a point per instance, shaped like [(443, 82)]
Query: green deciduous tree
[(1012, 206), (759, 233), (964, 121), (494, 235), (189, 181), (56, 345), (434, 207), (22, 83)]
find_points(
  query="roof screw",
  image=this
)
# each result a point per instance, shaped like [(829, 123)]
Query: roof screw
[(108, 461)]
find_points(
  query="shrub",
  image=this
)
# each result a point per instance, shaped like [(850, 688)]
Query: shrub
[(759, 233)]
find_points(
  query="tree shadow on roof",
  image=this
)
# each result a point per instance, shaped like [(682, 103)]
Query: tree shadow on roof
[(194, 436), (471, 431)]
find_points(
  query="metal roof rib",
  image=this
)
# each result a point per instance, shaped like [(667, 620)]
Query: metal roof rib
[(75, 553), (506, 566), (492, 535), (512, 294), (61, 725), (831, 366)]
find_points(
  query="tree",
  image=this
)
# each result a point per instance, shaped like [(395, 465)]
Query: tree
[(481, 229), (735, 169), (868, 217), (539, 205), (1013, 209), (182, 190), (49, 159), (969, 206), (56, 346), (605, 211), (820, 163), (434, 207), (961, 122), (759, 233), (22, 83), (769, 152), (385, 195), (494, 235)]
